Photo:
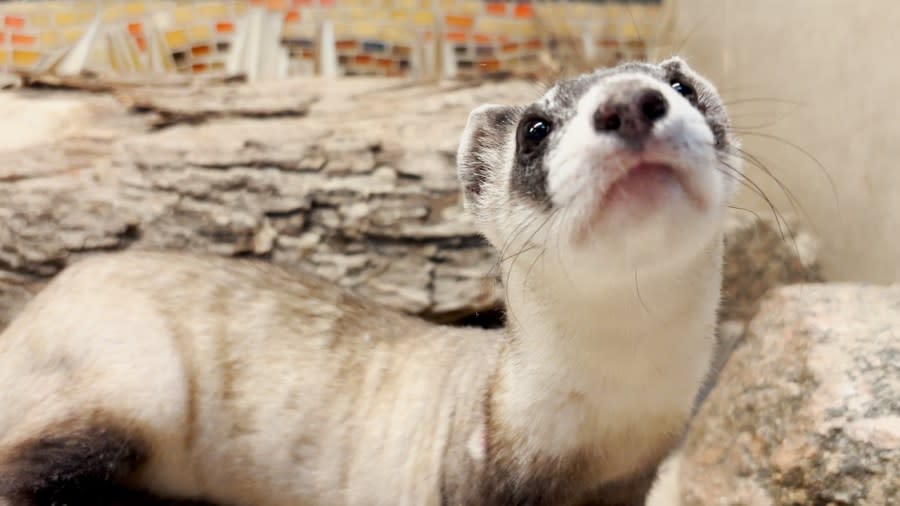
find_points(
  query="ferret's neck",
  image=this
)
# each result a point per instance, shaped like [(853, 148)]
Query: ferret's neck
[(634, 347), (642, 306)]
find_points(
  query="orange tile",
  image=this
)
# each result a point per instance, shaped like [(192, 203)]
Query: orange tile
[(301, 3), (135, 29), (224, 27), (534, 44), (141, 43), (385, 62), (198, 67), (457, 36), (345, 45), (275, 5), (496, 8), (482, 38), (2, 37), (19, 39), (200, 50), (362, 59), (509, 46), (523, 11), (464, 22), (14, 22), (326, 3), (292, 16), (489, 65)]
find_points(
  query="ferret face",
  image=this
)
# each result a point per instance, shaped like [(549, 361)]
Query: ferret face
[(614, 170)]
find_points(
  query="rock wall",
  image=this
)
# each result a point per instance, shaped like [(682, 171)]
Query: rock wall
[(354, 179)]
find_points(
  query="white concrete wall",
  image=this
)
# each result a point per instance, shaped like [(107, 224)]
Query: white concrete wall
[(840, 59)]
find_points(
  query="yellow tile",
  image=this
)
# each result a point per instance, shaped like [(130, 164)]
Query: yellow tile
[(400, 15), (38, 20), (176, 39), (25, 58), (489, 25), (519, 28), (299, 30), (343, 30), (135, 9), (71, 35), (360, 13), (200, 32), (49, 39), (4, 57), (183, 15), (469, 7), (74, 17), (212, 10), (364, 29), (423, 18), (113, 13), (395, 34)]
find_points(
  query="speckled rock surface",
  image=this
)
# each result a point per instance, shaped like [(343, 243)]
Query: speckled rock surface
[(762, 252), (807, 411)]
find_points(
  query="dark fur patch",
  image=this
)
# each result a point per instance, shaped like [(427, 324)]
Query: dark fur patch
[(511, 478), (629, 492), (68, 461), (77, 464), (529, 176), (547, 482), (534, 481), (488, 136), (111, 495)]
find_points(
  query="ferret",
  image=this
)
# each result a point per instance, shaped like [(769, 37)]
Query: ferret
[(197, 378)]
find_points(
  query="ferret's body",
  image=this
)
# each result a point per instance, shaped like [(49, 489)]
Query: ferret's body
[(243, 384), (235, 382)]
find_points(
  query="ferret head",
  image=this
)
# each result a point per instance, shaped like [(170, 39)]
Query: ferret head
[(612, 171)]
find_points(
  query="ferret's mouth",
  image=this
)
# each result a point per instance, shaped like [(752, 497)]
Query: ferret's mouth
[(646, 185)]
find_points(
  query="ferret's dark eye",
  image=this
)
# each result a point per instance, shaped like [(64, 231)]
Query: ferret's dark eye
[(684, 88), (537, 130)]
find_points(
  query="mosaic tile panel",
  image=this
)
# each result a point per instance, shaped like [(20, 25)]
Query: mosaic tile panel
[(371, 37)]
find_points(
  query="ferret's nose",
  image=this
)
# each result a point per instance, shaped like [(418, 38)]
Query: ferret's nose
[(631, 117)]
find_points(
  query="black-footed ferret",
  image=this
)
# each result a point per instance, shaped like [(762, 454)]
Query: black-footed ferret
[(237, 383)]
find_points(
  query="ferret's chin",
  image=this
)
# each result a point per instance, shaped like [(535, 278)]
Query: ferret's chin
[(654, 209), (626, 240)]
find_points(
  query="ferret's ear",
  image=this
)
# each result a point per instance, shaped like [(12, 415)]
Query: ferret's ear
[(484, 147), (674, 63)]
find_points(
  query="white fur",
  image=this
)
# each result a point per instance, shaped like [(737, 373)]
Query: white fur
[(616, 333)]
